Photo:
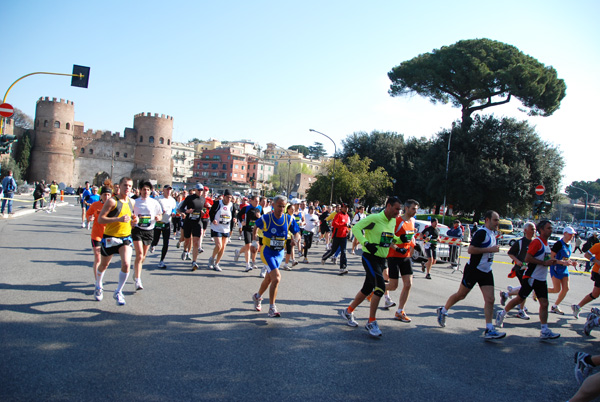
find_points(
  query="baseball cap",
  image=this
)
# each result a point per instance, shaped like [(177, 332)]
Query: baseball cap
[(168, 186), (569, 230), (227, 192), (205, 188), (106, 189), (199, 187)]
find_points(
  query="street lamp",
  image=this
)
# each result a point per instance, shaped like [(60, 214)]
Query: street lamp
[(446, 179), (289, 168), (586, 201), (333, 171)]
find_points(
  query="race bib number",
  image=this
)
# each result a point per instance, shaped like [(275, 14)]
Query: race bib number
[(144, 221), (306, 232), (409, 235), (225, 219), (112, 241), (252, 223), (277, 243), (195, 216), (159, 225), (386, 239)]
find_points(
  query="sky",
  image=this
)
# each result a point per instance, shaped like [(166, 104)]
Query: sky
[(268, 71)]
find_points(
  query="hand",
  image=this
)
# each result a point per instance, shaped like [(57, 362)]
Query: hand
[(401, 250), (551, 261), (404, 238), (495, 249), (125, 218), (215, 222), (371, 248)]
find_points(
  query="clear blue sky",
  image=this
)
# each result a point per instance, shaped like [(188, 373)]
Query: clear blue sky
[(269, 71)]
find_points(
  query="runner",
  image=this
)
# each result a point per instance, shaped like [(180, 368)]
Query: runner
[(538, 260), (431, 235), (148, 211), (221, 214), (479, 271), (378, 237), (275, 226), (97, 233), (339, 225), (91, 197), (117, 215), (289, 249), (561, 250), (193, 207), (54, 194), (324, 226), (589, 384), (593, 255), (251, 213), (205, 216), (517, 253), (169, 206), (360, 214), (310, 230), (84, 193), (399, 259)]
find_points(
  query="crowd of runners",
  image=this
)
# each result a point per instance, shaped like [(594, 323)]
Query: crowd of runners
[(278, 234)]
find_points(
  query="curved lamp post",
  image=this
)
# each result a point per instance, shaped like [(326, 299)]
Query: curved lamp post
[(333, 171)]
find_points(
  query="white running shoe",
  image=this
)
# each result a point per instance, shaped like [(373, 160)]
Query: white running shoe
[(82, 223), (389, 302), (547, 334), (99, 294), (118, 296), (343, 271), (236, 255), (263, 272), (294, 263), (493, 334), (217, 268), (257, 302), (500, 318), (576, 310), (273, 312), (373, 329), (211, 262), (161, 264), (286, 267), (183, 253), (248, 267), (138, 284), (349, 317), (152, 249)]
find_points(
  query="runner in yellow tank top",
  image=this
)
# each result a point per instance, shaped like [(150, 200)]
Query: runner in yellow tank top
[(117, 237)]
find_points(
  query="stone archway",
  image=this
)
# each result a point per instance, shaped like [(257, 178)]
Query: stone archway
[(99, 178)]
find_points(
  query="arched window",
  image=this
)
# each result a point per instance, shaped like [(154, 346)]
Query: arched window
[(91, 151), (68, 126), (151, 140), (45, 123), (82, 150), (125, 155), (57, 124), (168, 142), (161, 140), (141, 138)]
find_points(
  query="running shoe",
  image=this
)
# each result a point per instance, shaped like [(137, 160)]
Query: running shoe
[(509, 288), (294, 263), (248, 267), (373, 329), (194, 266), (118, 296), (334, 260), (211, 262), (200, 250), (389, 302), (305, 261), (352, 252), (556, 310), (188, 256), (589, 324), (493, 334), (500, 318), (343, 271), (576, 310), (349, 317), (273, 312), (522, 314), (503, 298), (183, 253), (178, 243), (257, 302), (286, 267), (236, 255), (401, 316), (99, 294), (217, 268), (595, 311), (441, 317), (161, 264), (322, 261), (547, 334), (152, 249), (427, 276), (254, 266), (263, 272), (582, 369), (138, 284), (82, 223)]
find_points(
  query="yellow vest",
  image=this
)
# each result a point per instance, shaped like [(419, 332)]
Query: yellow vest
[(119, 229)]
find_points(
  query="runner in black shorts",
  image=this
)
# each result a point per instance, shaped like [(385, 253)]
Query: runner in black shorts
[(250, 213), (193, 206)]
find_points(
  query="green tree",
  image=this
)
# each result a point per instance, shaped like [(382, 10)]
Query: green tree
[(23, 153), (495, 165), (592, 188), (353, 179), (316, 151), (285, 174), (477, 74), (300, 148)]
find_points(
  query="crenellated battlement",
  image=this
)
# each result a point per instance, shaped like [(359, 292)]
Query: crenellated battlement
[(155, 115), (96, 135), (54, 100)]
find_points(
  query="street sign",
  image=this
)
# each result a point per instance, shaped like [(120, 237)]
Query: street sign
[(539, 190), (6, 110)]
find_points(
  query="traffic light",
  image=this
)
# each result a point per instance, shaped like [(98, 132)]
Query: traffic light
[(81, 76), (536, 207), (545, 207), (5, 141)]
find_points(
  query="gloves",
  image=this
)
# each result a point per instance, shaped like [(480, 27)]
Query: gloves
[(371, 248), (404, 238), (402, 250)]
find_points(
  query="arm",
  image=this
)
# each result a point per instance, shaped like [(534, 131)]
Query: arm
[(108, 206), (531, 259)]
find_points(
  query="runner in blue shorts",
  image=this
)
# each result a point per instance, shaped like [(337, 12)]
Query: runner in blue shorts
[(275, 226)]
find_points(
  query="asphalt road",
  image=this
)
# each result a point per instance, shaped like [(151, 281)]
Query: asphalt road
[(195, 336)]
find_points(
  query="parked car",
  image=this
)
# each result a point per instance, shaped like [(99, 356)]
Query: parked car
[(70, 191), (553, 239)]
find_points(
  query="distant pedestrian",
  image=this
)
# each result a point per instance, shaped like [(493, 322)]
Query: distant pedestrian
[(9, 186)]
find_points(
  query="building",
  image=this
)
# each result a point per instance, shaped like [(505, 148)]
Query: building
[(225, 165), (183, 156), (276, 154), (302, 183), (64, 152), (260, 171)]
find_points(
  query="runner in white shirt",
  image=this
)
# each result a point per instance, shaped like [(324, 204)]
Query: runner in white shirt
[(163, 226), (310, 230), (148, 211), (221, 215), (360, 214)]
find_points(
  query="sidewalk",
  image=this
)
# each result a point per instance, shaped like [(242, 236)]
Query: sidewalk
[(23, 205)]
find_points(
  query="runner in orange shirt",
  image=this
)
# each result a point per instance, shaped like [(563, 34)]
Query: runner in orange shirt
[(593, 254), (97, 231)]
